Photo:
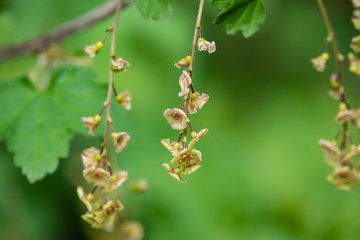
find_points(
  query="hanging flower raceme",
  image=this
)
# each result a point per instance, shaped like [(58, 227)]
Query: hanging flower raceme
[(101, 211)]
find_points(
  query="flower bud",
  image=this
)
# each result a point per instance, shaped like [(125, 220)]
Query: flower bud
[(185, 62), (92, 50)]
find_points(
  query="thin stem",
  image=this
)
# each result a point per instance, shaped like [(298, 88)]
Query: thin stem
[(114, 89), (111, 80), (196, 33), (338, 63), (194, 44), (180, 137), (345, 134), (191, 129), (94, 190), (336, 49)]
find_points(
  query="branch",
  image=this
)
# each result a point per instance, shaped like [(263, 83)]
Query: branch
[(69, 28)]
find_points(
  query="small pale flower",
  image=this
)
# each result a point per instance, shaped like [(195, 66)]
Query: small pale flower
[(172, 172), (173, 147), (90, 157), (334, 91), (197, 101), (139, 186), (124, 99), (97, 176), (355, 44), (85, 198), (344, 114), (356, 19), (92, 50), (185, 62), (132, 230), (91, 123), (204, 45), (344, 178), (120, 140), (119, 65), (185, 83), (356, 3), (356, 120), (354, 64), (319, 63), (115, 181), (104, 216), (332, 153), (354, 151), (176, 118)]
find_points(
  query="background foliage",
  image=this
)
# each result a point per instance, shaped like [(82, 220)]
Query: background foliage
[(263, 176)]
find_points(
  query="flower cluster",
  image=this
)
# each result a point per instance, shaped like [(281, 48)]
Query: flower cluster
[(345, 174), (341, 154), (101, 212), (186, 159)]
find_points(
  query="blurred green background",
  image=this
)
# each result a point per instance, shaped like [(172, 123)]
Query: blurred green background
[(263, 175)]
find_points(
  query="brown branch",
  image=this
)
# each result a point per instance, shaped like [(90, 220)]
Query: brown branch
[(69, 28)]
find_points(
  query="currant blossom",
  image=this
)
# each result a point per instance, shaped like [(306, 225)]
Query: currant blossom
[(119, 65), (124, 99), (344, 178), (85, 198), (204, 45), (334, 91), (354, 64), (319, 63), (120, 140), (197, 101), (104, 216), (334, 156), (176, 118), (90, 157), (356, 3), (344, 114), (355, 44), (185, 62), (185, 83), (97, 176), (91, 123), (92, 50), (115, 181)]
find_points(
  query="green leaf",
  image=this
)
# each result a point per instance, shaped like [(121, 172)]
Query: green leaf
[(38, 124), (244, 16), (155, 9), (221, 4)]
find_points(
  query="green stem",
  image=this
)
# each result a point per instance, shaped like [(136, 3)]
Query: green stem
[(111, 79), (336, 49)]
